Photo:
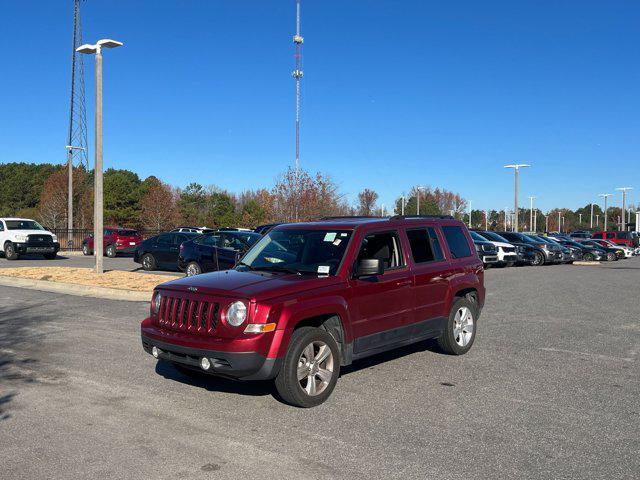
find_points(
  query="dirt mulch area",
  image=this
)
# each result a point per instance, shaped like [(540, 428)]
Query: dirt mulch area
[(138, 282)]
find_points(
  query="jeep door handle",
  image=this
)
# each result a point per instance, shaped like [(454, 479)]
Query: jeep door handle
[(402, 283)]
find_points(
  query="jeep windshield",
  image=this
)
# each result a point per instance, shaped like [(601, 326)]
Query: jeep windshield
[(23, 225), (308, 251)]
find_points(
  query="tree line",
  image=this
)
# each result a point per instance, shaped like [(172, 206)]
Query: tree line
[(40, 191)]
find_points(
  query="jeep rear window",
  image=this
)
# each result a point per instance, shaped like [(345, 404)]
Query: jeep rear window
[(127, 233), (457, 241), (307, 251), (23, 225)]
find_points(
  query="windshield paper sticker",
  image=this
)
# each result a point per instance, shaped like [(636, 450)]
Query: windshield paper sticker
[(323, 269), (330, 236)]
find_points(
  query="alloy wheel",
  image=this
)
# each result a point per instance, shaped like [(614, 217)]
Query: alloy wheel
[(463, 326), (315, 368), (192, 269), (146, 262)]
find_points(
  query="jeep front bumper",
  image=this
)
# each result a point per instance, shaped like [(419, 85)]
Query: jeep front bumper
[(236, 365)]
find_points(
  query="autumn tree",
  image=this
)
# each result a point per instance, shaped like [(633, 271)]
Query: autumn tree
[(53, 200), (158, 205), (367, 202)]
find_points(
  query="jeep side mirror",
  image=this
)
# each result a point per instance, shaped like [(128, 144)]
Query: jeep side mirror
[(369, 266)]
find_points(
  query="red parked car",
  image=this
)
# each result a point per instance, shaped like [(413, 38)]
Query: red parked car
[(116, 240), (619, 238), (309, 298)]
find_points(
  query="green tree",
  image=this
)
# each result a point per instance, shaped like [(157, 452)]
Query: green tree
[(192, 204), (122, 195), (21, 186)]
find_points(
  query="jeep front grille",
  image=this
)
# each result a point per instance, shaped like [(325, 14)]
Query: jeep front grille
[(186, 315)]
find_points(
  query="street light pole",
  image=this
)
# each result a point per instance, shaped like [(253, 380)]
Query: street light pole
[(516, 167), (469, 213), (486, 220), (624, 196), (402, 203), (98, 200), (591, 224), (559, 219), (605, 196), (580, 221), (531, 215)]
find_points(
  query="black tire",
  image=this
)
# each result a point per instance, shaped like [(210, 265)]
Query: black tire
[(148, 262), (538, 259), (588, 257), (111, 251), (447, 341), (50, 256), (287, 383), (85, 250), (193, 268), (10, 251), (611, 257)]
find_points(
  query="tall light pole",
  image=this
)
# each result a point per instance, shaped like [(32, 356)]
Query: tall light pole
[(591, 223), (535, 222), (605, 196), (419, 189), (597, 220), (624, 197), (546, 222), (486, 220), (532, 198), (98, 198), (469, 213), (70, 149), (580, 221), (516, 167), (559, 220), (403, 205)]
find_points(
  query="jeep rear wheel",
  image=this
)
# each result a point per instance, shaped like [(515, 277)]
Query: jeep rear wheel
[(310, 369), (460, 330), (10, 251)]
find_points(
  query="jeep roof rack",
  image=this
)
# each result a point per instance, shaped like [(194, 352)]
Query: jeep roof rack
[(403, 217)]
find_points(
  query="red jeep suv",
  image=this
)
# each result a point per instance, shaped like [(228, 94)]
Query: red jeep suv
[(116, 240), (619, 238), (308, 298)]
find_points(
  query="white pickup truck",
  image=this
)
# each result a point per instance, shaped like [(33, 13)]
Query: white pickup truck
[(22, 235)]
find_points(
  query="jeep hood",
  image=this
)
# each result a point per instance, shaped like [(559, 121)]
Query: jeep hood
[(252, 285)]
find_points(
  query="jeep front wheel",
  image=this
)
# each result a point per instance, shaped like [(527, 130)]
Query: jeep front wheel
[(310, 369), (460, 329), (10, 251)]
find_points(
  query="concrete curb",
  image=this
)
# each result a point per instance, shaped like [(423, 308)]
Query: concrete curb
[(75, 289), (586, 264)]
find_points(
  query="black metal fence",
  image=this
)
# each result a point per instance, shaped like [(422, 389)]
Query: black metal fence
[(73, 240)]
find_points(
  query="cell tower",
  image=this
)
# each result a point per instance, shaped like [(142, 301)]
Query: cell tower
[(77, 112), (77, 140), (298, 74)]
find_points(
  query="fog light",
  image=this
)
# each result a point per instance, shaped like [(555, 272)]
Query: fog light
[(155, 352), (205, 364)]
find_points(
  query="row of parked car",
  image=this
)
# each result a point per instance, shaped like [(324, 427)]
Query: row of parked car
[(512, 248)]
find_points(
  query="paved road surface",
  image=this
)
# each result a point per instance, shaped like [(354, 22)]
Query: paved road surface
[(550, 390)]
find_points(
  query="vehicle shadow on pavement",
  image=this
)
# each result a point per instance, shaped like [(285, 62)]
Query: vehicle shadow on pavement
[(17, 327), (368, 362), (212, 383)]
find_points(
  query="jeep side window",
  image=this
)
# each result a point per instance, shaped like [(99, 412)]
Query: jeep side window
[(435, 243), (611, 235), (385, 246), (457, 241), (420, 244)]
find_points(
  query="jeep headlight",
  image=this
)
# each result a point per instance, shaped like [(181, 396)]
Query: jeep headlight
[(20, 238), (155, 303), (54, 237), (236, 313)]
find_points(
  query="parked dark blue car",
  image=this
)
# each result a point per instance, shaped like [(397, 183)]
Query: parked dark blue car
[(214, 251), (161, 251)]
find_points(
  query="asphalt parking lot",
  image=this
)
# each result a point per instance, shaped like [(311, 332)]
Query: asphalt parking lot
[(121, 262), (551, 389)]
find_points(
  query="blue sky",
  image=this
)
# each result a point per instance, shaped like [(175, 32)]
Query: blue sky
[(395, 93)]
